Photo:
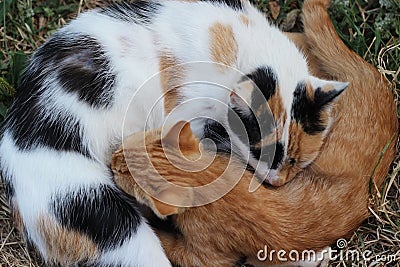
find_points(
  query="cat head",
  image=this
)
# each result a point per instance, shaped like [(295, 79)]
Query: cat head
[(144, 167), (284, 127)]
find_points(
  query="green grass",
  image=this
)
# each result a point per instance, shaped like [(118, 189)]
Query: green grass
[(371, 28)]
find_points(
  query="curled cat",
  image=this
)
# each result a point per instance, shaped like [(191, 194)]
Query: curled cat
[(222, 233), (122, 69), (326, 201)]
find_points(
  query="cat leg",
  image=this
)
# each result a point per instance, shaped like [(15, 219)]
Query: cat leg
[(74, 214), (111, 221), (94, 227)]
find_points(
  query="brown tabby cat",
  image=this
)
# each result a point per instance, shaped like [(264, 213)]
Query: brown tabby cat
[(325, 202)]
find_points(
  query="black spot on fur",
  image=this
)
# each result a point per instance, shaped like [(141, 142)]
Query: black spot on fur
[(104, 213), (74, 63), (167, 225), (272, 154), (262, 124), (307, 111), (251, 129), (278, 155), (140, 12), (234, 4), (265, 79), (81, 65), (244, 126), (216, 132), (31, 127)]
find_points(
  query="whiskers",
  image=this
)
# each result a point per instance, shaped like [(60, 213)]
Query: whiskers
[(217, 133)]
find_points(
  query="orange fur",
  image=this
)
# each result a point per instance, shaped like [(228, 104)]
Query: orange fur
[(170, 76), (63, 245), (260, 212), (366, 114), (311, 211), (224, 48)]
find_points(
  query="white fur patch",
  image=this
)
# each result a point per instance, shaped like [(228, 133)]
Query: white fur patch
[(143, 249)]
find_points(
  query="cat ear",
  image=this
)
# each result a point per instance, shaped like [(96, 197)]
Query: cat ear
[(162, 209), (240, 97), (326, 91), (172, 195), (312, 104), (181, 135)]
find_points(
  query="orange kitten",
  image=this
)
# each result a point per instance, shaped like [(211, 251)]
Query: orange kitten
[(325, 202)]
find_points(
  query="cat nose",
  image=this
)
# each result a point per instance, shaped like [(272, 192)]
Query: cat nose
[(272, 178), (271, 175)]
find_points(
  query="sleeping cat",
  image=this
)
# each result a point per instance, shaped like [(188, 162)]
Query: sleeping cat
[(221, 233), (325, 202), (136, 60)]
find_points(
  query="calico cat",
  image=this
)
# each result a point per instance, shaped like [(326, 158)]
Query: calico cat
[(325, 202), (121, 69)]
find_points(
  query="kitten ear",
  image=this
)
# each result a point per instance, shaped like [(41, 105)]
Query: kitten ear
[(172, 195), (181, 135), (326, 91), (162, 209)]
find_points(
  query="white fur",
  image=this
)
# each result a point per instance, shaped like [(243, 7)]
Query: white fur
[(143, 249)]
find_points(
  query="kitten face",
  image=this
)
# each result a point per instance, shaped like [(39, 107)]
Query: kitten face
[(282, 140)]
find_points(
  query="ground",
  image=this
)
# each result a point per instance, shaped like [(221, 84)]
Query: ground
[(369, 27)]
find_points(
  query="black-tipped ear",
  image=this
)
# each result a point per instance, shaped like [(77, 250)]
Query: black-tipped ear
[(311, 103), (329, 92), (326, 91)]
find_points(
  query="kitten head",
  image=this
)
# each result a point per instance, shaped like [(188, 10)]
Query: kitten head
[(147, 158), (281, 129)]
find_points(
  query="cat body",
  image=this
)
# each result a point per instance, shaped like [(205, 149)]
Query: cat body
[(236, 226), (97, 80), (325, 202)]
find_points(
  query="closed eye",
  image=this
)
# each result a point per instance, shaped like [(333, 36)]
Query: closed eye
[(292, 161)]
